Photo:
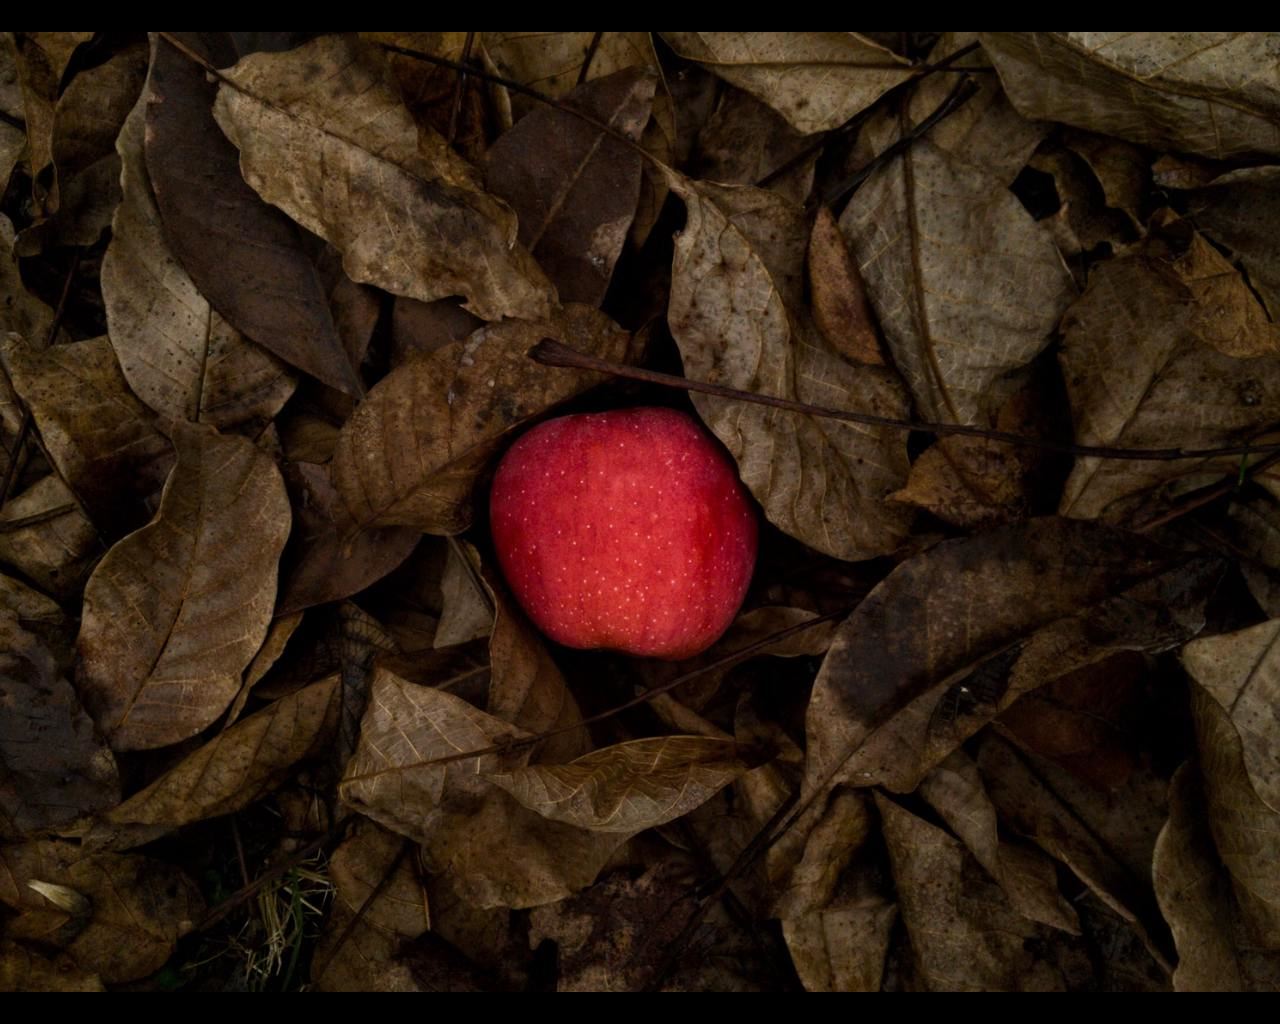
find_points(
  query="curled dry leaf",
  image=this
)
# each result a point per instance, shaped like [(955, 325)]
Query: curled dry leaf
[(574, 188), (964, 934), (816, 80), (102, 441), (1161, 353), (53, 767), (357, 163), (44, 534), (913, 672), (327, 558), (175, 612), (499, 853), (249, 260), (967, 287), (1215, 953), (411, 453), (179, 356), (1241, 210), (138, 907), (1210, 93), (737, 282), (628, 787), (236, 767)]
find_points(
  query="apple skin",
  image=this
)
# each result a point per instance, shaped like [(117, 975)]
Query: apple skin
[(627, 530)]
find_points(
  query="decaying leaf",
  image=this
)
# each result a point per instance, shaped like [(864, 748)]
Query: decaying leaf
[(53, 766), (101, 439), (359, 164), (1151, 339), (178, 355), (1210, 93), (737, 279), (411, 453), (44, 534), (137, 907), (964, 934), (816, 80), (327, 559), (628, 787), (175, 611), (236, 767), (245, 257), (967, 287), (574, 188), (1215, 953)]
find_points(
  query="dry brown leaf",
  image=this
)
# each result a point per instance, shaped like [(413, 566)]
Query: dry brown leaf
[(13, 140), (24, 970), (1241, 210), (20, 311), (573, 188), (967, 287), (327, 559), (627, 787), (252, 263), (467, 611), (58, 546), (277, 639), (1147, 357), (178, 355), (35, 613), (239, 765), (419, 328), (1254, 527), (840, 307), (842, 947), (1214, 952), (816, 80), (964, 934), (136, 908), (411, 453), (101, 439), (736, 296), (1245, 827), (744, 141), (913, 671), (1210, 93), (53, 766), (1123, 171), (175, 612), (357, 163), (376, 879), (499, 853)]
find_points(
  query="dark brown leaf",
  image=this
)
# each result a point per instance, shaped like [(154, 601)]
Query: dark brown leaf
[(840, 307), (247, 258), (101, 439), (411, 453), (573, 188), (53, 767), (175, 612)]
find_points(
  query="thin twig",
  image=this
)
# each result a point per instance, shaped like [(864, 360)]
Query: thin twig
[(35, 519), (460, 88), (1206, 495), (590, 56), (552, 353), (643, 698)]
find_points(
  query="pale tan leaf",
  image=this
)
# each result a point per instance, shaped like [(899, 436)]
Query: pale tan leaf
[(964, 934), (58, 545), (1214, 953), (967, 287), (175, 612), (53, 767), (737, 284), (411, 453), (178, 355), (102, 440), (1245, 829), (500, 853), (323, 135), (1147, 357), (139, 907), (239, 765), (1212, 93), (816, 80), (630, 786)]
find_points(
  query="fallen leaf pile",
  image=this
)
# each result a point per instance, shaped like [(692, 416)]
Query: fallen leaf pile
[(1001, 708)]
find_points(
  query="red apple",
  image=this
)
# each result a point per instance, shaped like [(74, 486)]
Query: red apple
[(628, 530)]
